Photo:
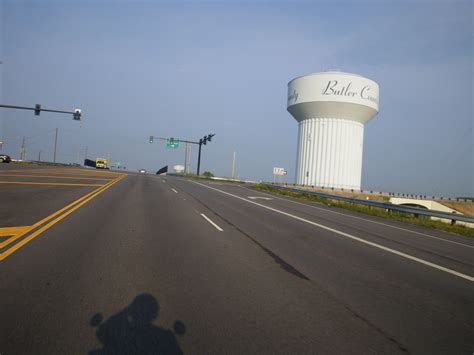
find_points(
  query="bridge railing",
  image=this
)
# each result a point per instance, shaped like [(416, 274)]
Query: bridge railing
[(385, 205)]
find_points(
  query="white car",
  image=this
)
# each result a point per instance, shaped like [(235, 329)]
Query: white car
[(142, 171)]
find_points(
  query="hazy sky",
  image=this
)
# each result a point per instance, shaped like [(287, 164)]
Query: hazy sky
[(186, 69)]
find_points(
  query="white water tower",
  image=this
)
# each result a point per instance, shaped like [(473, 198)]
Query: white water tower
[(331, 109)]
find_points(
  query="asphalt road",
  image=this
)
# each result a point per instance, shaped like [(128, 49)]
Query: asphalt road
[(99, 262)]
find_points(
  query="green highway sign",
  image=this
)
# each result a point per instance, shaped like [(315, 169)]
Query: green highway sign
[(172, 143)]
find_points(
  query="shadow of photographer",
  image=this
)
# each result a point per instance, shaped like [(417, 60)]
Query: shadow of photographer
[(131, 330)]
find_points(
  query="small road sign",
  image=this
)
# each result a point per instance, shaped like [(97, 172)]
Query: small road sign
[(172, 143), (279, 171)]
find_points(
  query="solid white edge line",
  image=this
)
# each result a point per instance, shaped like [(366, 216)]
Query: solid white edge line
[(174, 190), (365, 219), (211, 222), (350, 236)]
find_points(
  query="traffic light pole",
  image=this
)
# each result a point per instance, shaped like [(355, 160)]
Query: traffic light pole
[(202, 141), (199, 158)]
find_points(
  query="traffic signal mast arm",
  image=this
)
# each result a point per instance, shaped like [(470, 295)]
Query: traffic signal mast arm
[(174, 139), (202, 141), (76, 113)]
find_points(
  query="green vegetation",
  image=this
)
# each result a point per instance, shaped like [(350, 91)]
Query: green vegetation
[(208, 174), (42, 163), (373, 211)]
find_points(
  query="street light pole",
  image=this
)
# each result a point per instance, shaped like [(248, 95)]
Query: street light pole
[(186, 148), (233, 167), (22, 150), (189, 158)]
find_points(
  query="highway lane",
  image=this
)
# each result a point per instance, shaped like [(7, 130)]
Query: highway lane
[(266, 283), (366, 279), (449, 250)]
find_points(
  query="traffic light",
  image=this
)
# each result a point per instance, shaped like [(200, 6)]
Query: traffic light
[(37, 109), (209, 136), (151, 139), (204, 140), (76, 116)]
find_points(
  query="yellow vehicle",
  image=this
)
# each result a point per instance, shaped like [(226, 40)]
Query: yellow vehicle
[(101, 163)]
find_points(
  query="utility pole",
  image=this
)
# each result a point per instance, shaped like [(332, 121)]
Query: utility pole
[(233, 167), (22, 150), (39, 155), (85, 155), (55, 145)]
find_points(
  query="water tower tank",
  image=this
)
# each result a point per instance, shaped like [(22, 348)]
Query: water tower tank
[(331, 109)]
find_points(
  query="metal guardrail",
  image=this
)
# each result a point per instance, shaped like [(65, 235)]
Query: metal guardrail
[(385, 193), (389, 206)]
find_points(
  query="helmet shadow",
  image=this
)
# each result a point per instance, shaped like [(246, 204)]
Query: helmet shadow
[(131, 331)]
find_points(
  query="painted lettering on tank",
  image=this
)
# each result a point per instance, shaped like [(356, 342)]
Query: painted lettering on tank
[(332, 88), (364, 93)]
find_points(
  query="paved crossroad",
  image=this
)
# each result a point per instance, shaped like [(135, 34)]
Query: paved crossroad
[(167, 265)]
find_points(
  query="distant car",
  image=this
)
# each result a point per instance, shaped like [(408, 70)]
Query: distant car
[(5, 158), (142, 171)]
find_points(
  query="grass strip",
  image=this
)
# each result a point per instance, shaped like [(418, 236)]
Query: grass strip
[(425, 221)]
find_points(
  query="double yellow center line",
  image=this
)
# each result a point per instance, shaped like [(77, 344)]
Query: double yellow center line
[(56, 177), (46, 183), (52, 219)]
